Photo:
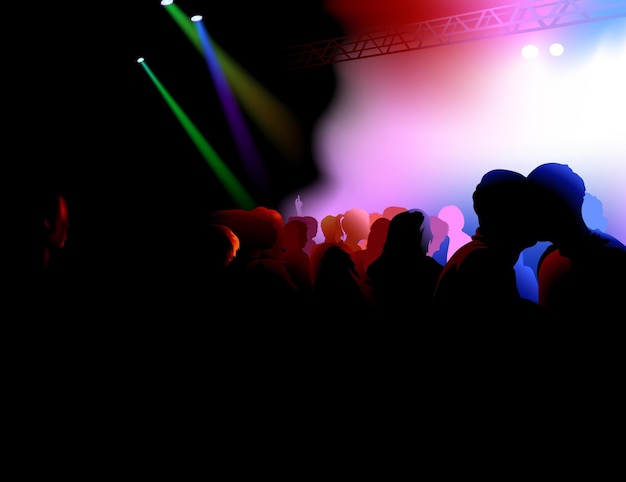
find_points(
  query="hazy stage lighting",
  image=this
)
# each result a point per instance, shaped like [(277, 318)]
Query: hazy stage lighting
[(556, 49), (530, 51)]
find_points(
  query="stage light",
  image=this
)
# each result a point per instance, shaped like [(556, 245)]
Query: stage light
[(556, 49), (244, 140), (166, 2), (140, 59), (530, 51), (278, 124)]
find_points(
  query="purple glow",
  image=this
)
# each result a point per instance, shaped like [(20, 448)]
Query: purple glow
[(418, 129), (236, 122)]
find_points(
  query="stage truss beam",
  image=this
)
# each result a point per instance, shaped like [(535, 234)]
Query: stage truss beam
[(519, 17)]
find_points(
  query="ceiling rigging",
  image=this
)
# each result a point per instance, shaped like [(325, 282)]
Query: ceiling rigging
[(515, 18)]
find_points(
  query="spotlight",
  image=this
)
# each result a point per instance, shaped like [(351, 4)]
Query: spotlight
[(166, 2), (196, 18), (530, 51), (140, 59), (556, 49)]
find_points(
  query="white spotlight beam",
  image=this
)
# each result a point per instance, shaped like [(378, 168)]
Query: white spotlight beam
[(519, 17)]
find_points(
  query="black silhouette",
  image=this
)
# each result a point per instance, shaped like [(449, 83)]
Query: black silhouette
[(338, 290), (479, 280), (403, 277), (583, 270)]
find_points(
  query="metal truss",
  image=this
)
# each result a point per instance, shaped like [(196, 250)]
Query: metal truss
[(519, 17)]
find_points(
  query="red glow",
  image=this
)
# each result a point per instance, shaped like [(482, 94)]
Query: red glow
[(362, 15)]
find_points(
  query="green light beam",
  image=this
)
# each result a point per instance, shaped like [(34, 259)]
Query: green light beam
[(229, 181)]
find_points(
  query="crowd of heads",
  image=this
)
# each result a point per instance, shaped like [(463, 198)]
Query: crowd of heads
[(401, 264)]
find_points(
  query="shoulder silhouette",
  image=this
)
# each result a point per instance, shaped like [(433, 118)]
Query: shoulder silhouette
[(403, 276), (480, 280), (582, 270)]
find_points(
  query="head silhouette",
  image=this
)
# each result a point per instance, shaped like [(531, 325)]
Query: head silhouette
[(502, 202), (331, 228), (453, 216), (455, 219), (558, 195), (439, 229), (409, 230), (356, 226)]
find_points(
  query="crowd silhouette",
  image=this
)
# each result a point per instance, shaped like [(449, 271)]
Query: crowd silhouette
[(231, 299), (403, 265), (147, 312)]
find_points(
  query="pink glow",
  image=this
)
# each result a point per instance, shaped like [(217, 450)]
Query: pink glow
[(418, 129)]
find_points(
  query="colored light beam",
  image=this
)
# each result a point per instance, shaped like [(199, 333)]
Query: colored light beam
[(243, 140), (230, 182), (279, 125)]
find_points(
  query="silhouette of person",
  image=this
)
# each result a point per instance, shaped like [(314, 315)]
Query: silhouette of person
[(45, 226), (36, 272), (338, 290), (479, 279), (296, 260), (438, 247), (260, 281), (311, 231), (583, 270), (403, 277), (453, 215), (333, 234), (331, 228), (375, 242), (390, 211), (356, 227), (593, 214), (199, 278), (311, 222), (211, 248), (56, 225)]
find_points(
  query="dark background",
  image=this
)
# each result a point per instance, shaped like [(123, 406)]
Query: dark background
[(84, 116)]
